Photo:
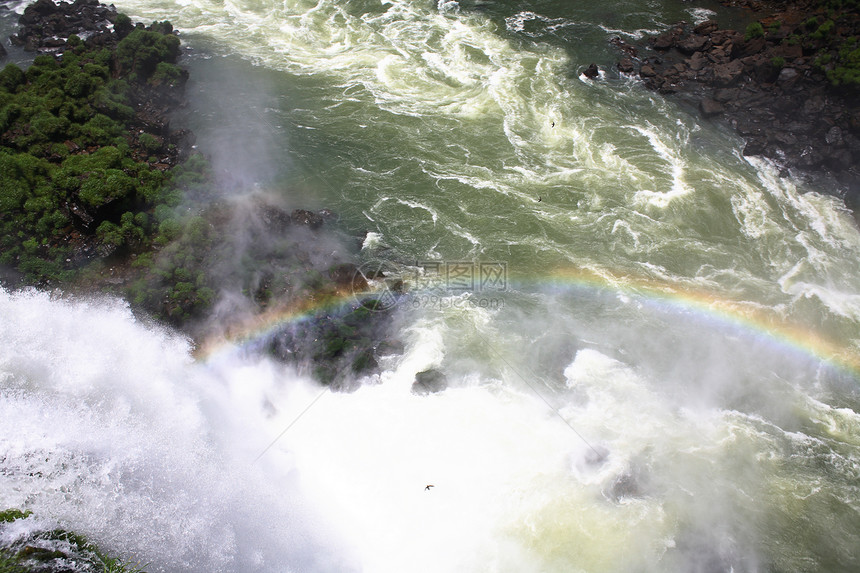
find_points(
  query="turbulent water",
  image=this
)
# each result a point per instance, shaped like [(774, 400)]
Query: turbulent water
[(652, 342)]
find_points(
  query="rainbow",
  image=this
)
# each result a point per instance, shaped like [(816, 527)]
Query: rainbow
[(745, 316)]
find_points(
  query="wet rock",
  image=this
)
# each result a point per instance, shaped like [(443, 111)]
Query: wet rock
[(834, 136), (348, 276), (628, 49), (727, 74), (667, 39), (625, 66), (307, 218), (786, 75), (710, 107), (692, 44), (429, 382), (275, 219), (705, 27), (591, 71), (647, 71)]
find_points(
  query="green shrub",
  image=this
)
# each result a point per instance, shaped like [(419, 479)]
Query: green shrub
[(166, 74), (754, 30), (11, 77), (50, 127), (149, 142), (140, 52), (823, 31)]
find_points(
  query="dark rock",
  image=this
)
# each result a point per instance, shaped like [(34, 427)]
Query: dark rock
[(429, 382), (692, 44), (667, 39), (755, 146), (810, 158), (834, 136), (631, 51), (3, 52), (787, 52), (307, 218), (783, 137), (786, 75), (275, 219), (711, 107), (839, 159), (625, 66), (698, 61), (647, 71), (390, 348), (591, 71), (814, 105), (347, 275), (727, 74), (705, 27), (749, 47), (724, 95)]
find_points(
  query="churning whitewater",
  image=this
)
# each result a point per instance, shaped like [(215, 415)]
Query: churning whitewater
[(664, 378)]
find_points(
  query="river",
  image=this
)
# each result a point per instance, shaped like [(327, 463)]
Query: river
[(652, 342)]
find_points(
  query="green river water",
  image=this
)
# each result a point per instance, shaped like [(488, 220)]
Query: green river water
[(653, 360)]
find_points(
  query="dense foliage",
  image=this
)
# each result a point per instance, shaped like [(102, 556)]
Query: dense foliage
[(86, 182)]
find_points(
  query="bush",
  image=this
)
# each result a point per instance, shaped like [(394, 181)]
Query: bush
[(140, 52), (11, 77), (754, 30)]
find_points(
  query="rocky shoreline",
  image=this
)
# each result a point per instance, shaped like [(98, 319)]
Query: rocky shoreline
[(789, 84)]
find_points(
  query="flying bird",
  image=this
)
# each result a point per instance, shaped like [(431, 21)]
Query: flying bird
[(427, 487)]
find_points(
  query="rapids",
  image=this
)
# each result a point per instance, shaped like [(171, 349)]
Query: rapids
[(664, 376)]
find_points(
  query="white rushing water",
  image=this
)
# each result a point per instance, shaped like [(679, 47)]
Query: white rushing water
[(652, 393)]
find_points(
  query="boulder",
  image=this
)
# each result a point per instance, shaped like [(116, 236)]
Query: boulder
[(710, 107), (705, 27), (429, 382), (692, 44), (591, 71), (647, 71), (625, 66), (727, 74), (307, 218)]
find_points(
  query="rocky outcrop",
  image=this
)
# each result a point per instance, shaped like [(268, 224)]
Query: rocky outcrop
[(337, 347), (46, 27), (429, 382), (775, 84)]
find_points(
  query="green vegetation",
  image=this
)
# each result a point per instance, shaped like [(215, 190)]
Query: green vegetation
[(823, 31), (847, 71), (778, 62), (754, 30), (81, 186), (55, 550), (67, 165)]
